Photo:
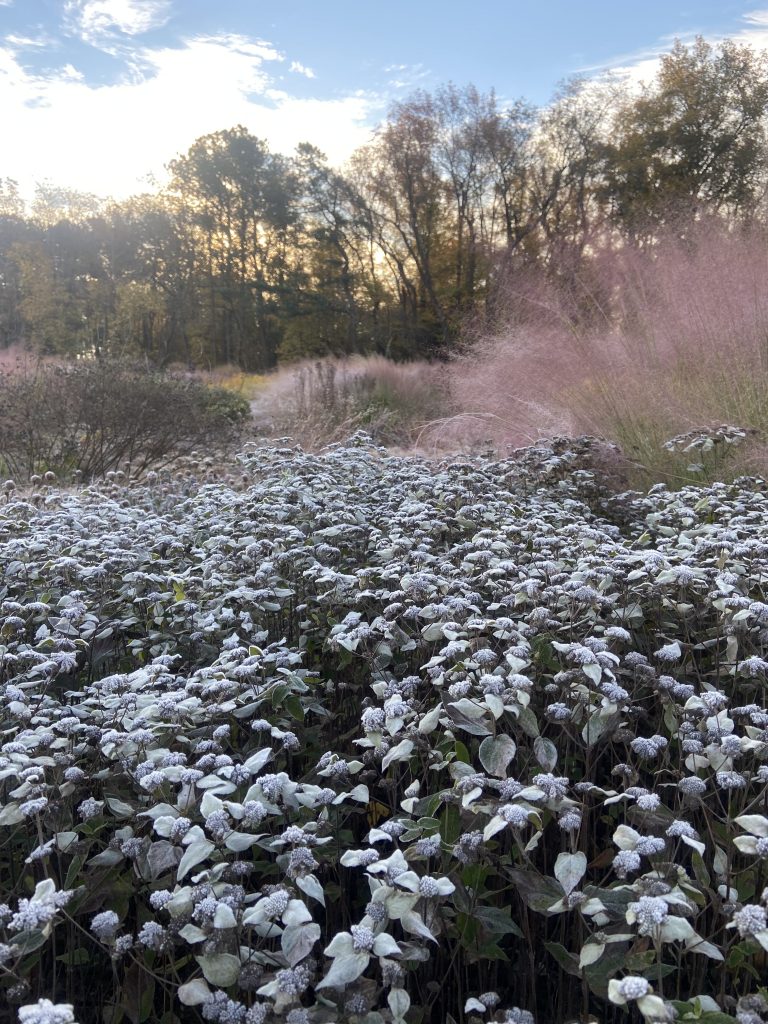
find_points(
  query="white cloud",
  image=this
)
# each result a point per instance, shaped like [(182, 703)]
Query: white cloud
[(107, 139), (95, 20), (640, 67), (301, 69)]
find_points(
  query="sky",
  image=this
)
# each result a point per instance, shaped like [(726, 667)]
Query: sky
[(98, 95)]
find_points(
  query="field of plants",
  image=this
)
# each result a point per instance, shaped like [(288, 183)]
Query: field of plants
[(350, 737)]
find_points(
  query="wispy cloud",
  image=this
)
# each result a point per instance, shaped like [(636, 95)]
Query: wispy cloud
[(96, 20), (301, 69), (28, 42), (641, 66), (407, 76), (108, 139)]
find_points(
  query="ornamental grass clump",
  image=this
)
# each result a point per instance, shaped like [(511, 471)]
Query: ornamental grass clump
[(350, 737)]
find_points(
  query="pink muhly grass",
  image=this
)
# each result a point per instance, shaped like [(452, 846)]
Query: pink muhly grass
[(658, 341)]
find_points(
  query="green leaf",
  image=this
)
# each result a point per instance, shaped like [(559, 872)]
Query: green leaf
[(75, 957), (450, 824), (537, 891), (294, 707), (497, 921), (528, 722), (567, 961), (462, 754)]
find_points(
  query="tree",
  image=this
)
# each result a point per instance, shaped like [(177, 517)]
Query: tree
[(242, 202), (695, 137)]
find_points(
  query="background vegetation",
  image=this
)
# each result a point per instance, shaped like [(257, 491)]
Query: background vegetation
[(248, 257)]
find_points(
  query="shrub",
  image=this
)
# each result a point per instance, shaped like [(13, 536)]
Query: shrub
[(94, 417)]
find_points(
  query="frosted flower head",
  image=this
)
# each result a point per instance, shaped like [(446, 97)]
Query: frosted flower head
[(518, 1016), (276, 903), (300, 862), (179, 829), (362, 938), (253, 813), (558, 712), (376, 911), (152, 935), (90, 808), (356, 1004), (570, 821), (105, 925), (648, 802), (218, 824), (730, 780), (650, 747), (514, 815), (428, 887), (633, 987), (681, 828), (749, 920), (650, 912), (626, 861), (429, 846), (555, 787), (646, 845), (292, 980), (159, 898), (509, 788), (373, 719), (691, 785), (46, 1012)]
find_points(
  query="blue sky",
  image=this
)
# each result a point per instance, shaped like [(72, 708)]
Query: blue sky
[(100, 94)]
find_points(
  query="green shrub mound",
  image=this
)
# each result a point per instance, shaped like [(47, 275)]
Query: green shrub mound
[(377, 740)]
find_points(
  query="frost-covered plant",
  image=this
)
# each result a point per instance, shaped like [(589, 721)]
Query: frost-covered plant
[(328, 740)]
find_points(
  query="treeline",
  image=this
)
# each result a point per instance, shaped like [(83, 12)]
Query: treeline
[(251, 257)]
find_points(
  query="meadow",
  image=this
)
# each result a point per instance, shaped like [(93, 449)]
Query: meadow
[(358, 737)]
